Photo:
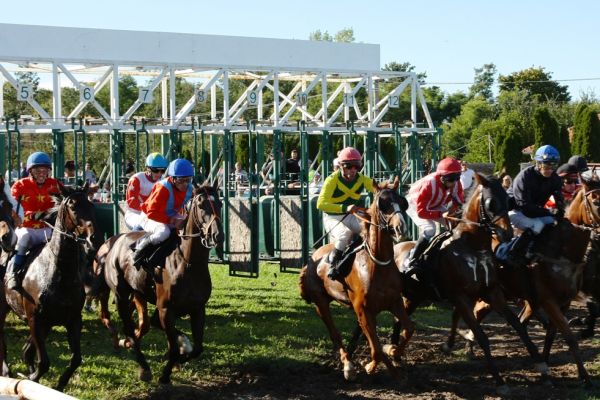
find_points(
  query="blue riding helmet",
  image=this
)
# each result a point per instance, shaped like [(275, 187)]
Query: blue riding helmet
[(180, 168), (547, 154), (38, 159), (156, 160)]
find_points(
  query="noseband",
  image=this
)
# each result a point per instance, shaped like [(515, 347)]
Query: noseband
[(202, 227), (594, 218), (71, 235), (486, 221)]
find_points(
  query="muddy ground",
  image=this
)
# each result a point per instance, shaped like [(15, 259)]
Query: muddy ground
[(426, 373)]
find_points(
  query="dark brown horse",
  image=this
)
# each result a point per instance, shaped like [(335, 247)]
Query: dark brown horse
[(52, 291), (183, 287), (550, 282), (585, 210), (373, 285), (463, 268)]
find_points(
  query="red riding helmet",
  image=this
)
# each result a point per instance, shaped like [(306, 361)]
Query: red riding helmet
[(349, 155), (448, 166)]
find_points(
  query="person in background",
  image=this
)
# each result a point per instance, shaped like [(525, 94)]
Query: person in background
[(530, 191), (506, 182), (339, 198), (240, 177), (34, 194), (69, 172), (23, 172), (139, 187), (570, 178), (164, 208), (578, 162), (292, 166), (467, 176), (316, 183), (428, 200), (89, 175)]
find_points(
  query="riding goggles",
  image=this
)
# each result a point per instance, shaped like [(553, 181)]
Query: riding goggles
[(186, 180), (157, 170), (571, 181), (451, 177), (348, 165), (548, 164)]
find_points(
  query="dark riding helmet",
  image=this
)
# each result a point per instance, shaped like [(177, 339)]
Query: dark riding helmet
[(579, 162)]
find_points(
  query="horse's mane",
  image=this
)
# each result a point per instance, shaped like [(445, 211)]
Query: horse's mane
[(52, 213)]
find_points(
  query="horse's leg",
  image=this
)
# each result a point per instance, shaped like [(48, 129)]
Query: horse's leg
[(4, 309), (357, 334), (410, 307), (124, 309), (449, 345), (142, 311), (74, 339), (197, 323), (465, 308), (590, 321), (28, 355), (323, 310), (558, 319), (167, 319), (104, 314), (368, 325), (549, 340), (408, 327), (498, 303), (38, 337)]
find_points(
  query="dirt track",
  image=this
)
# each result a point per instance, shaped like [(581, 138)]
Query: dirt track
[(426, 373)]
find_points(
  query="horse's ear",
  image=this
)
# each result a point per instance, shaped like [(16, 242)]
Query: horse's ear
[(217, 184), (195, 188), (481, 180), (403, 203), (378, 186), (63, 190), (394, 185)]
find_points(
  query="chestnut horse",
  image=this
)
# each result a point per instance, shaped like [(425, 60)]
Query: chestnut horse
[(585, 210), (463, 268), (550, 282), (374, 283), (183, 288), (52, 290)]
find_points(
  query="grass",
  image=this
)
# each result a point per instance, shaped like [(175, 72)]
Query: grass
[(253, 325)]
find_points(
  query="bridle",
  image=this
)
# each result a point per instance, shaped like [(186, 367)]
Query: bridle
[(202, 227), (70, 235), (487, 222), (593, 217)]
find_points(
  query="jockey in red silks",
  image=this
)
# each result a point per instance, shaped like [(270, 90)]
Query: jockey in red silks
[(428, 200), (164, 208), (139, 187), (33, 193)]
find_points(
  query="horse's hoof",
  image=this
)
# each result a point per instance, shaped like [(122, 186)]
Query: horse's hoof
[(392, 351), (371, 367), (145, 375), (446, 349), (185, 347), (503, 390), (126, 343), (542, 368), (350, 372)]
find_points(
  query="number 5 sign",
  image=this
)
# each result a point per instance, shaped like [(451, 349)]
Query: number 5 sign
[(24, 92)]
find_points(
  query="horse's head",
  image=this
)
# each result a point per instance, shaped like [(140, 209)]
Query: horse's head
[(591, 201), (77, 216), (489, 207), (8, 238), (389, 206), (205, 215)]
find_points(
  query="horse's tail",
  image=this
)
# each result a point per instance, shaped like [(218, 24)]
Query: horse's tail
[(303, 283)]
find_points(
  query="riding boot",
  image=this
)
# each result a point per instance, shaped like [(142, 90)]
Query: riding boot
[(143, 248), (521, 251), (334, 259), (13, 272), (415, 266)]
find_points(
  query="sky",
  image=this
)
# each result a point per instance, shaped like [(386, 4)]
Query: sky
[(446, 39)]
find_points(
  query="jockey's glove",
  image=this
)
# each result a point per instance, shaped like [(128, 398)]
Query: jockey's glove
[(558, 212)]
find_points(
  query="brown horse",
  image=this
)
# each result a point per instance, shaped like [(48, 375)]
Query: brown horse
[(585, 210), (463, 268), (373, 285), (550, 282), (52, 290), (183, 286)]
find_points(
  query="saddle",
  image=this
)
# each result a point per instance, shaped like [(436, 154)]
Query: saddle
[(347, 259), (431, 251), (157, 254)]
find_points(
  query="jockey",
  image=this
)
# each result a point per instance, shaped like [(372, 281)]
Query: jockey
[(530, 191), (428, 200), (338, 199), (34, 195), (163, 209), (570, 178), (139, 187), (578, 162)]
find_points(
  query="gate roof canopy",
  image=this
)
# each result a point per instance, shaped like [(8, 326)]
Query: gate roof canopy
[(103, 46)]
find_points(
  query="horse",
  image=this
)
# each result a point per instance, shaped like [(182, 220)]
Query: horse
[(463, 269), (374, 283), (585, 210), (182, 286), (52, 290), (550, 282)]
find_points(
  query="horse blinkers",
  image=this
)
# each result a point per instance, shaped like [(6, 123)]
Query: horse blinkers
[(392, 220), (492, 211), (209, 218)]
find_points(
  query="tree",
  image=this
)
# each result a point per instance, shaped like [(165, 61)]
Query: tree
[(480, 147), (508, 150), (587, 134), (405, 67), (345, 35), (484, 80), (545, 128), (537, 83)]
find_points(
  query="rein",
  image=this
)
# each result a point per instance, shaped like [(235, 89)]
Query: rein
[(588, 209)]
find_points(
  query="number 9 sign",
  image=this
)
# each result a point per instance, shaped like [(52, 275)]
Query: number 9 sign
[(252, 98)]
